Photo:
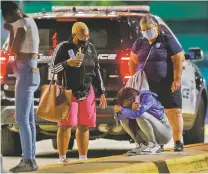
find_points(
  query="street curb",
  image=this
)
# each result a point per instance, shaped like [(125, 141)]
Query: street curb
[(101, 158), (79, 162), (182, 164), (177, 164)]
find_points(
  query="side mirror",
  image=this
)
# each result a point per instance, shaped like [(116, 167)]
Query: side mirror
[(194, 54)]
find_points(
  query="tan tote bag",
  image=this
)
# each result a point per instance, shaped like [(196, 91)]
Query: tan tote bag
[(54, 102)]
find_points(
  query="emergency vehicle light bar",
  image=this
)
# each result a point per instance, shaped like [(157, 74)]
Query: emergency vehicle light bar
[(141, 8)]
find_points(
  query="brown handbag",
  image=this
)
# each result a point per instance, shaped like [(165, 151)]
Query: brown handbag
[(54, 102)]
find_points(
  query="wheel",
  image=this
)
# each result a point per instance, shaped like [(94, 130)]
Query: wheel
[(10, 144), (196, 133), (70, 146)]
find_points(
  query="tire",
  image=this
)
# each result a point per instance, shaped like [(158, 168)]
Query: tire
[(70, 146), (196, 133), (10, 144)]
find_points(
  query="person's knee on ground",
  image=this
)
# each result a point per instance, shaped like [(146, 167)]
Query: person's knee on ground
[(63, 137), (176, 121), (82, 137)]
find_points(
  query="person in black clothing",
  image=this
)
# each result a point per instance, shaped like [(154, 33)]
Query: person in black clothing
[(77, 58), (163, 70)]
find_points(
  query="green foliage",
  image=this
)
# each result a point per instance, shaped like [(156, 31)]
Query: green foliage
[(99, 3), (88, 3)]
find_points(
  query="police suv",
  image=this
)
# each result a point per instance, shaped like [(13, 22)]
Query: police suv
[(113, 30)]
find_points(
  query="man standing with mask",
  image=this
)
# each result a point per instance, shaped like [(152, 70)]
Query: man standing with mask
[(82, 71)]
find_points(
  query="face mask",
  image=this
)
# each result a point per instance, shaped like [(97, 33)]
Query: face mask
[(149, 34), (82, 43)]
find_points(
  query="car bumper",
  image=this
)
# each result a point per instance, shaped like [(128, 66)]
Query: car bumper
[(104, 116)]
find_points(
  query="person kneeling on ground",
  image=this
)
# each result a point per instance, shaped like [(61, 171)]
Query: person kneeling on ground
[(153, 127)]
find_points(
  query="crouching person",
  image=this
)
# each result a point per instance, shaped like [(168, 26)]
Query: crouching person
[(153, 128)]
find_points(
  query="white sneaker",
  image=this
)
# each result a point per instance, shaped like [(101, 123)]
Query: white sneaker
[(63, 161), (138, 150), (153, 148)]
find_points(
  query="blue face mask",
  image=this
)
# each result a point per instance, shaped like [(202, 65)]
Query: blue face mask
[(149, 34)]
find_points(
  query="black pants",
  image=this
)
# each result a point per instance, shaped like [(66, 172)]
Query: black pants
[(166, 97)]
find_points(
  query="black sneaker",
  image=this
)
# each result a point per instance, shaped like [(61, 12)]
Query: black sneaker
[(178, 146), (25, 166), (162, 148)]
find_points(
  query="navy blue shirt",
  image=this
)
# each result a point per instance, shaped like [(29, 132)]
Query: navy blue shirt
[(159, 67)]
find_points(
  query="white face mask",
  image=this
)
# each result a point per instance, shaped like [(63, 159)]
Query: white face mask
[(149, 34)]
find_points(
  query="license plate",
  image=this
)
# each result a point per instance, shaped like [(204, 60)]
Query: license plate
[(50, 75)]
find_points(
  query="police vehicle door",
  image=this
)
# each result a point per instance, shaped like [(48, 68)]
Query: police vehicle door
[(188, 89)]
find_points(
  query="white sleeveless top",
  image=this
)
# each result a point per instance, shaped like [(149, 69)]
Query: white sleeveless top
[(31, 42)]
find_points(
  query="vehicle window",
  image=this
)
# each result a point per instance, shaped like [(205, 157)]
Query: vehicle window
[(44, 35), (98, 37), (102, 33), (135, 27)]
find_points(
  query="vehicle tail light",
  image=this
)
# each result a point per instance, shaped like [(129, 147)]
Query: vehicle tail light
[(124, 63), (3, 61)]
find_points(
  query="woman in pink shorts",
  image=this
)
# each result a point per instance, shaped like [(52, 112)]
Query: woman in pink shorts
[(82, 73)]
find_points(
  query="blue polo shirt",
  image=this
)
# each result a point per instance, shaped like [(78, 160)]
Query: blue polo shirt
[(159, 67)]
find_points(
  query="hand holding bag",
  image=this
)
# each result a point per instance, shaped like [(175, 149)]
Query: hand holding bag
[(54, 102)]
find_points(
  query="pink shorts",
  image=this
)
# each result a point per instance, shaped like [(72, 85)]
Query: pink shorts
[(82, 113)]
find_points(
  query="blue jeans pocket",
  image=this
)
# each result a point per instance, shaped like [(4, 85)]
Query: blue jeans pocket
[(35, 78)]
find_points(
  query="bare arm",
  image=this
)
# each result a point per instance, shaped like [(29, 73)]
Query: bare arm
[(11, 35), (133, 63), (18, 41), (178, 60)]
